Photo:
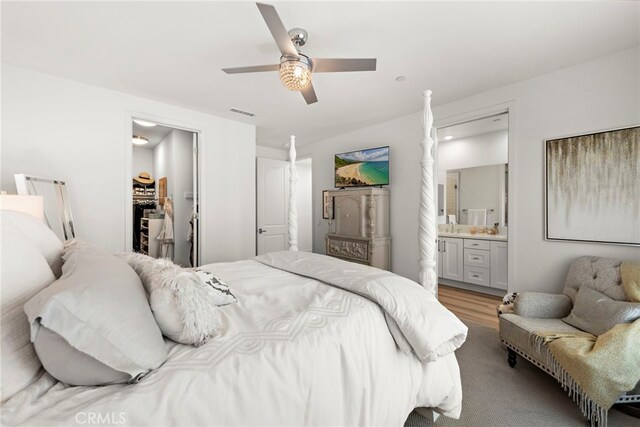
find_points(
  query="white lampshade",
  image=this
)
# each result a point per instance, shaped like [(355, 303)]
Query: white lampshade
[(33, 205)]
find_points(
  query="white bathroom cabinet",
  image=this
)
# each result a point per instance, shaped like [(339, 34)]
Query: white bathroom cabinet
[(480, 262)]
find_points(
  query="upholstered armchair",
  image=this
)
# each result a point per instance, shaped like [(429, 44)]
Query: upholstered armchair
[(534, 312)]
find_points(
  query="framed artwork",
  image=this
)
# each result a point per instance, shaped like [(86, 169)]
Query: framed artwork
[(162, 190), (327, 205), (592, 187)]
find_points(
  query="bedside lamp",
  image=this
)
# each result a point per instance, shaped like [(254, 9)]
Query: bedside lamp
[(33, 205)]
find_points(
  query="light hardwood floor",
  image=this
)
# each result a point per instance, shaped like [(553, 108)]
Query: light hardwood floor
[(469, 305)]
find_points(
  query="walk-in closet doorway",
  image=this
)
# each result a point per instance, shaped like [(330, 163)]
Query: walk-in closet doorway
[(162, 197)]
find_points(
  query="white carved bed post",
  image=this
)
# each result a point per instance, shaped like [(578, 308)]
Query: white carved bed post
[(427, 215), (293, 207)]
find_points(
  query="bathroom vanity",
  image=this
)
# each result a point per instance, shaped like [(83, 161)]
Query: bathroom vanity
[(476, 259)]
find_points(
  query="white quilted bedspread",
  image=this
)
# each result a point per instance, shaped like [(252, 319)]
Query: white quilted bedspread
[(296, 352)]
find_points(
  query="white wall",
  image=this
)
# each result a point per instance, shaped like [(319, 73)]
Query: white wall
[(78, 132), (271, 153), (403, 136), (478, 150), (595, 95), (142, 161), (305, 205)]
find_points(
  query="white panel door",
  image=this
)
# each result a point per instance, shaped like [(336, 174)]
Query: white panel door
[(499, 258), (452, 261), (272, 205)]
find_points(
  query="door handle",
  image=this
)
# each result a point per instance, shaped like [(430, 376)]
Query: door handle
[(445, 246), (261, 230)]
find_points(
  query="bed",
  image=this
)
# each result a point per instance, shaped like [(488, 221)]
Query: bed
[(312, 341)]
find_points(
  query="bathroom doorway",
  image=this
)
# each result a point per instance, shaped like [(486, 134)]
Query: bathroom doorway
[(164, 192), (472, 159)]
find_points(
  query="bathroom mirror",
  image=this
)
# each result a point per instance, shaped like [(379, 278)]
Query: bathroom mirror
[(57, 211), (477, 195), (473, 167)]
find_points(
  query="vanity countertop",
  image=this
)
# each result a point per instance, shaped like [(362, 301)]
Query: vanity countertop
[(477, 236)]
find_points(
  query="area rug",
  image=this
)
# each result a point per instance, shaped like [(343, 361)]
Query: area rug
[(495, 395)]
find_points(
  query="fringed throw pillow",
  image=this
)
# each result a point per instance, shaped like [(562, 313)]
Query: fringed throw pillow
[(184, 302)]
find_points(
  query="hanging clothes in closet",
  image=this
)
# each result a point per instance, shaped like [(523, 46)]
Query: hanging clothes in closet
[(143, 199), (166, 236)]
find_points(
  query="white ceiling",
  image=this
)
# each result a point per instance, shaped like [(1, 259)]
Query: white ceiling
[(155, 134), (173, 52)]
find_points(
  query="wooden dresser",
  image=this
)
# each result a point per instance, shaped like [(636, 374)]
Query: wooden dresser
[(359, 231)]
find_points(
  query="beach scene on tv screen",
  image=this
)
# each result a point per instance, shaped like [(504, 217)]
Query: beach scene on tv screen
[(365, 167)]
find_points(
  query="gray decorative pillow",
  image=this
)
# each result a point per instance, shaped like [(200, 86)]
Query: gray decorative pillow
[(596, 313), (94, 326)]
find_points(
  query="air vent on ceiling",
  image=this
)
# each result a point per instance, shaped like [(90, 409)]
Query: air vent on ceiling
[(244, 113)]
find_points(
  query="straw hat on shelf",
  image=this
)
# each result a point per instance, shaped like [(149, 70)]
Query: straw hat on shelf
[(144, 178)]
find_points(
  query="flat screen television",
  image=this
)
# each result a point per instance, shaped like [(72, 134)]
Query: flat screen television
[(362, 168)]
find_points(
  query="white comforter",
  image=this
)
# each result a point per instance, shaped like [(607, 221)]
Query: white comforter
[(296, 352)]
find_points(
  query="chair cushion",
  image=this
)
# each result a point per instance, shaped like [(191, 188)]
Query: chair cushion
[(517, 330)]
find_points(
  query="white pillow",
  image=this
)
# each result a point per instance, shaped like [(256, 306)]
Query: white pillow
[(99, 308), (184, 301), (40, 235), (24, 273)]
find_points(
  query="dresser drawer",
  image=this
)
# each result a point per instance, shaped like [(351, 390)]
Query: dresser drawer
[(357, 250), (477, 258), (477, 244), (477, 275)]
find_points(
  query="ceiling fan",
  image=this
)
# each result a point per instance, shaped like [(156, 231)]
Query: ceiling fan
[(295, 68)]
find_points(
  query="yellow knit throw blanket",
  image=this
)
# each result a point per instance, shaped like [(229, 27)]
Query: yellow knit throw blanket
[(603, 368)]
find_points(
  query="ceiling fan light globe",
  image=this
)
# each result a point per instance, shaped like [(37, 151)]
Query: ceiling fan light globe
[(295, 75)]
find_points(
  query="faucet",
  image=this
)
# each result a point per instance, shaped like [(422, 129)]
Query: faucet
[(453, 224)]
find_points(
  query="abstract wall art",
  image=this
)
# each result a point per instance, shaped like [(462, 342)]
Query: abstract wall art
[(593, 187)]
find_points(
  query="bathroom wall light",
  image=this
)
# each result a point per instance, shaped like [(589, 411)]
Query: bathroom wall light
[(139, 140), (145, 123), (448, 138)]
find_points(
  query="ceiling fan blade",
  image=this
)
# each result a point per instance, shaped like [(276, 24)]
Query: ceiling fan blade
[(332, 65), (278, 31), (309, 94), (254, 69)]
